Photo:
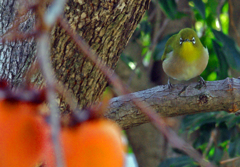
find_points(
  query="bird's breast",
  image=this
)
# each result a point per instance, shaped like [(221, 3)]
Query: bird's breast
[(189, 52), (187, 66)]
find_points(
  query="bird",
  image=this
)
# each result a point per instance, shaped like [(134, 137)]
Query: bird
[(184, 57)]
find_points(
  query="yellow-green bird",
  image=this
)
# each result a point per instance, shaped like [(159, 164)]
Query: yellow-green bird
[(184, 56)]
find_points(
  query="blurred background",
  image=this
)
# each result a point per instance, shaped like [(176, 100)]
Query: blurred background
[(215, 135)]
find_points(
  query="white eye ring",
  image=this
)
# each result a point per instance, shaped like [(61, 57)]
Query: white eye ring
[(193, 40), (180, 41)]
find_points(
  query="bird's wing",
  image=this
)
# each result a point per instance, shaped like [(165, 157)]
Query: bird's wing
[(168, 47)]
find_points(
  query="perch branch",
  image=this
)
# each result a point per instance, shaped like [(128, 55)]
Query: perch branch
[(222, 95)]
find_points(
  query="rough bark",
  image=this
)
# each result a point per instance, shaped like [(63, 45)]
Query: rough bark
[(220, 95), (106, 27), (15, 57)]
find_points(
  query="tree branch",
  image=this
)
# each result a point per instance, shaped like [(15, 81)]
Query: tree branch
[(223, 95)]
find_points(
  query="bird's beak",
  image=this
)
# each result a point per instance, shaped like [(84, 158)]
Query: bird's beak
[(187, 40)]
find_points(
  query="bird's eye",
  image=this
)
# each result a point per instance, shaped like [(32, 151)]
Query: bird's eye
[(181, 41), (193, 40)]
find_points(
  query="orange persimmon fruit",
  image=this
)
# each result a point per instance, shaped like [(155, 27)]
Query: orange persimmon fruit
[(96, 142), (93, 143), (22, 134)]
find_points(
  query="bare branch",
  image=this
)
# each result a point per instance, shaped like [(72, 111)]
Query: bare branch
[(44, 61), (223, 95), (229, 160), (43, 43)]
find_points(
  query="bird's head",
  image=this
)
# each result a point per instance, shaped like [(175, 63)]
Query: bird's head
[(188, 35)]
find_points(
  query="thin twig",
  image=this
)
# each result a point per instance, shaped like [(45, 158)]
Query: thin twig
[(19, 36), (148, 111), (43, 48), (211, 140), (43, 44), (54, 12), (229, 160)]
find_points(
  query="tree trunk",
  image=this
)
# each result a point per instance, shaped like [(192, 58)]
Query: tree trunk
[(15, 57), (105, 25)]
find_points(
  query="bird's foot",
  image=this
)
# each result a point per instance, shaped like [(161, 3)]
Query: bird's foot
[(183, 90), (201, 83), (170, 86)]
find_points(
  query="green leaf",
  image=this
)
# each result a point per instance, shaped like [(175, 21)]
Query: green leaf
[(200, 6), (229, 49), (211, 7), (233, 121), (218, 153), (145, 26), (194, 122), (223, 117), (223, 69), (224, 133), (169, 7), (203, 138), (203, 121), (233, 147)]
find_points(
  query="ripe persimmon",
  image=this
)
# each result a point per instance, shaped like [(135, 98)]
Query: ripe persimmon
[(22, 134), (93, 143), (96, 142)]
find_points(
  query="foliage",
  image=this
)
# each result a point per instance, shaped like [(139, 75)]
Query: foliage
[(212, 27)]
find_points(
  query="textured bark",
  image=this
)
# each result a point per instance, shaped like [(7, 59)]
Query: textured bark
[(220, 95), (15, 57), (105, 25)]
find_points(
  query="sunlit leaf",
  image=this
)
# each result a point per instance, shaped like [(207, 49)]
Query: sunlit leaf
[(126, 59), (217, 154)]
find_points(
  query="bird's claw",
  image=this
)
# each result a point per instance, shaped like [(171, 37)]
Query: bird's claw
[(170, 86), (202, 83)]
